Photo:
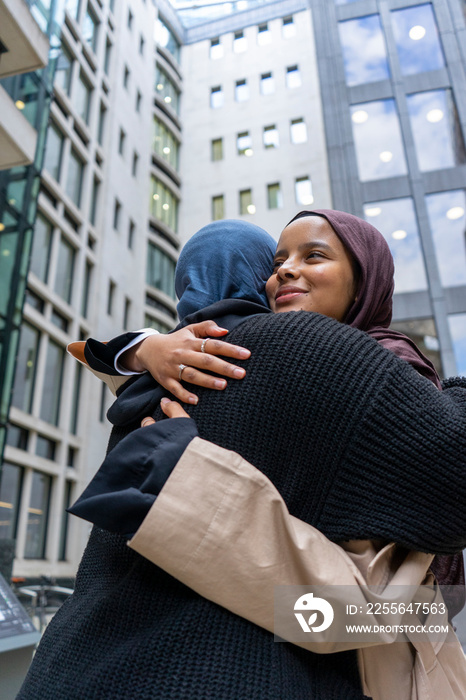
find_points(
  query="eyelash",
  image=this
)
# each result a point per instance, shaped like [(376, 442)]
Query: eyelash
[(277, 263)]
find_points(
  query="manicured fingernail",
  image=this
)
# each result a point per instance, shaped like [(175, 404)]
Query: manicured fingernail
[(164, 400), (244, 353), (193, 399), (220, 383), (219, 328), (239, 373)]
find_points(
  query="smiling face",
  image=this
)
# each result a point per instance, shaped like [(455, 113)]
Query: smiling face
[(312, 270)]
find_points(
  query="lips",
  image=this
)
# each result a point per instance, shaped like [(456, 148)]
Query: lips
[(285, 294)]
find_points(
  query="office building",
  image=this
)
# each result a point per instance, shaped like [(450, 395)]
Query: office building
[(163, 120)]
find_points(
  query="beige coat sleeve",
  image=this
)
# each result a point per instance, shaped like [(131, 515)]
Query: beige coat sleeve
[(220, 526)]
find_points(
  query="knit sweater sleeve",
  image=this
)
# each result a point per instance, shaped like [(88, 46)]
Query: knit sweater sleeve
[(406, 467)]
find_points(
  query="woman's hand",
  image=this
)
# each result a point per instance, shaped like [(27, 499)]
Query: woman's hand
[(172, 409), (162, 355)]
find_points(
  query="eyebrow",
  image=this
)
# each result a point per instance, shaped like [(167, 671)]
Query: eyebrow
[(304, 246)]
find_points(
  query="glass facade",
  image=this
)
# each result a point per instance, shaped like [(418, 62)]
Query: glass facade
[(166, 89), (447, 217), (364, 50), (457, 324), (417, 39), (26, 368), (165, 37), (396, 220), (377, 138), (436, 130), (10, 499)]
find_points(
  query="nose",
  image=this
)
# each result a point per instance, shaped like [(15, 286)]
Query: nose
[(288, 269)]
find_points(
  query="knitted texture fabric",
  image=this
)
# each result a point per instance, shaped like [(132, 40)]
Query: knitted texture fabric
[(358, 444)]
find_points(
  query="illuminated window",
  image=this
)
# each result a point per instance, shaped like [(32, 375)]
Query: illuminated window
[(165, 144), (417, 39), (303, 191), (163, 204), (166, 89), (396, 221), (244, 144), (245, 202)]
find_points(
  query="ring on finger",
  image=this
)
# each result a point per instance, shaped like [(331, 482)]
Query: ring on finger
[(182, 367), (146, 421), (203, 344)]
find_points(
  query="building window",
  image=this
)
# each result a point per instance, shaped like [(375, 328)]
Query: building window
[(121, 143), (50, 406), (218, 207), (165, 144), (45, 448), (270, 136), (41, 243), (65, 267), (396, 220), (126, 76), (241, 91), (160, 271), (63, 69), (116, 215), (274, 196), (244, 144), (436, 130), (141, 45), (163, 204), (216, 49), (74, 178), (263, 35), (293, 77), (267, 84), (245, 202), (216, 97), (25, 368), (130, 20), (361, 64), (90, 29), (457, 324), (75, 401), (59, 321), (303, 191), (216, 150), (82, 98), (108, 54), (240, 43), (131, 231), (17, 437), (126, 313), (37, 518), (378, 142), (417, 39), (166, 90), (101, 126), (103, 396), (62, 551), (110, 296), (94, 201), (86, 288), (10, 498), (165, 37), (423, 332), (134, 167), (447, 218), (138, 101), (288, 28), (54, 151), (298, 131)]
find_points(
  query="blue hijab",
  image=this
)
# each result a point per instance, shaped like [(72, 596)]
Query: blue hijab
[(228, 259)]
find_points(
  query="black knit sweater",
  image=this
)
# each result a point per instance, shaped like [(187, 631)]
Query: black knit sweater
[(358, 444)]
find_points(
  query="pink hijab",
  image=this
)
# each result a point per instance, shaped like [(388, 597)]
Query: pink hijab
[(372, 310)]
